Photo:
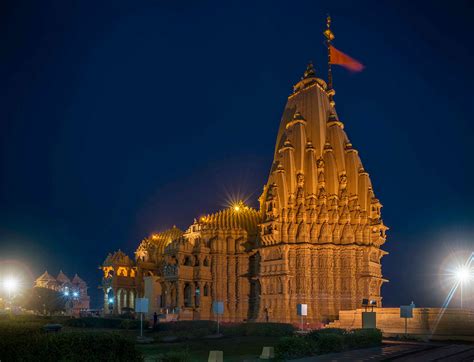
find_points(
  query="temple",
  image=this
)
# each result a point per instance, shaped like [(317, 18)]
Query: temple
[(74, 291), (315, 238)]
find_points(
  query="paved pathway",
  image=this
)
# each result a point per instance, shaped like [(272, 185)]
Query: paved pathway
[(403, 352)]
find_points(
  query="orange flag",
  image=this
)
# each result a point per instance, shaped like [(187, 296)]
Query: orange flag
[(339, 58)]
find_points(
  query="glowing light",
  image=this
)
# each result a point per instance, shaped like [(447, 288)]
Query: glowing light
[(111, 300), (239, 206), (75, 294), (463, 274), (66, 293), (10, 284)]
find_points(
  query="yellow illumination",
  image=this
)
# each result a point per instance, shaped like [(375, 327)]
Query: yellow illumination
[(239, 206)]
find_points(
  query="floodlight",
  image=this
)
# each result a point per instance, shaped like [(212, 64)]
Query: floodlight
[(462, 274), (66, 293), (10, 284), (111, 300), (75, 294)]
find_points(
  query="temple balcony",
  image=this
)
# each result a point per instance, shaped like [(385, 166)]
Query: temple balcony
[(202, 272)]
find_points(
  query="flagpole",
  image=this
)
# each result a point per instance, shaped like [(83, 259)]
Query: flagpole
[(329, 37), (328, 33)]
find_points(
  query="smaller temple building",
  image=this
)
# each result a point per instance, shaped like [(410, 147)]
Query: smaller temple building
[(73, 290)]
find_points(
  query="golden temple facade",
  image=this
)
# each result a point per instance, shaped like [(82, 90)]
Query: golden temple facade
[(315, 239)]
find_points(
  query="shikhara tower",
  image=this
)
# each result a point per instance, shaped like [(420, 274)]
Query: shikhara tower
[(321, 228), (315, 240)]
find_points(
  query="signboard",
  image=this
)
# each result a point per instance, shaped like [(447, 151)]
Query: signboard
[(218, 307), (369, 320), (406, 311), (302, 309), (141, 305)]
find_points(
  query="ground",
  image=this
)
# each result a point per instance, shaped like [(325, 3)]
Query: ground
[(402, 352), (234, 348)]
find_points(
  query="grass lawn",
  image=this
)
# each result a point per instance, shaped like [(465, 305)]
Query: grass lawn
[(235, 348)]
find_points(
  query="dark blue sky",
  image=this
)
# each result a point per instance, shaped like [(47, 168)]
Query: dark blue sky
[(126, 117)]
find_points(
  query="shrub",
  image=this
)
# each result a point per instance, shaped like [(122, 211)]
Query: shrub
[(92, 322), (180, 326), (362, 338), (294, 347), (259, 329), (176, 356), (330, 342), (20, 344), (314, 334), (338, 331), (132, 324)]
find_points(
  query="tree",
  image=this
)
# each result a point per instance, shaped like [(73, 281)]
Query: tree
[(44, 301)]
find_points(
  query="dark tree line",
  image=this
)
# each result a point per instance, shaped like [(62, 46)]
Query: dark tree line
[(43, 301)]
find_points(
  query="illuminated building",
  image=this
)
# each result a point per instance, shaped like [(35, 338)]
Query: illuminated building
[(315, 239), (73, 291)]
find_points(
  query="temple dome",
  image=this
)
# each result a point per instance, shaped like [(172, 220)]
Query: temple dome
[(162, 239), (77, 280), (118, 258), (62, 278), (235, 217), (46, 277)]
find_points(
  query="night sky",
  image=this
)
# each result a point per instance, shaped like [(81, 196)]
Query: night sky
[(120, 118)]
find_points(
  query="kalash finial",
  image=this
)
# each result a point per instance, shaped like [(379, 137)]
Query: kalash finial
[(309, 72)]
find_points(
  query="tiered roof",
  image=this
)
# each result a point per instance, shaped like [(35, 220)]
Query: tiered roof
[(318, 190)]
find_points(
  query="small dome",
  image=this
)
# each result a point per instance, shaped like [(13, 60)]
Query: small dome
[(237, 216)]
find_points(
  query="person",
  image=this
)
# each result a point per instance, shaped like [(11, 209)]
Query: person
[(155, 319)]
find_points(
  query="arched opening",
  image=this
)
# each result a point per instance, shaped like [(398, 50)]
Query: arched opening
[(187, 261), (206, 290), (206, 261), (187, 295), (197, 295), (131, 299), (173, 302), (196, 260), (110, 299)]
